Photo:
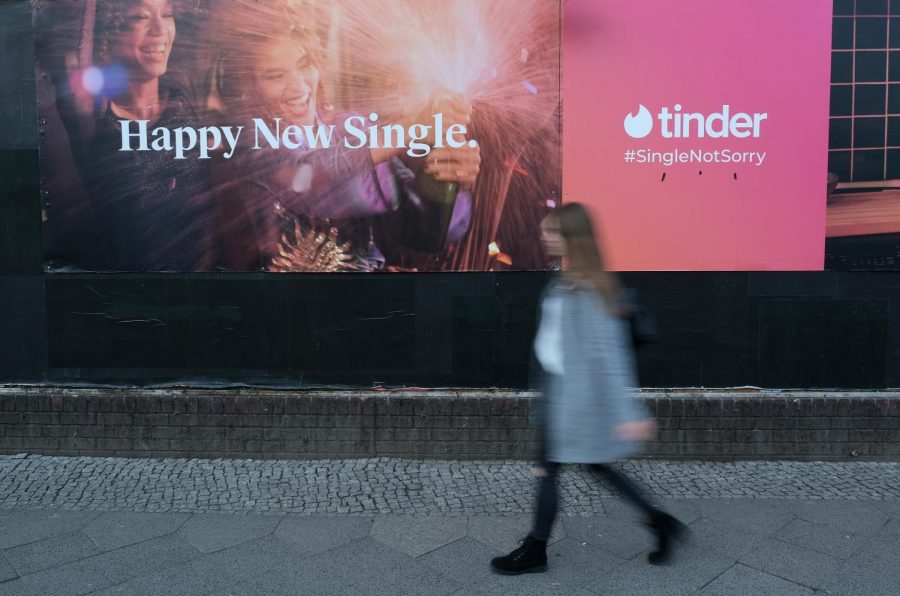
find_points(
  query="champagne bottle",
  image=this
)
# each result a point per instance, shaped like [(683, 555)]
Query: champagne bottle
[(426, 226)]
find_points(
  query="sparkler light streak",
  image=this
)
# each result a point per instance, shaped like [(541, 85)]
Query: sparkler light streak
[(502, 56)]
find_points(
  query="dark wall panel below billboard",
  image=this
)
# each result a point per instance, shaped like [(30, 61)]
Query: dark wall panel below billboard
[(815, 330)]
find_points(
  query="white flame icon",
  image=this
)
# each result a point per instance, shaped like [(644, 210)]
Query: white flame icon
[(639, 126)]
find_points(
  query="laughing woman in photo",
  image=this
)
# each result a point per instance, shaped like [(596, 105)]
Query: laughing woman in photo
[(311, 209), (148, 211)]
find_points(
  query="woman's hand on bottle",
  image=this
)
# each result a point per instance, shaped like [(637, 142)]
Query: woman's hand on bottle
[(454, 110), (455, 165)]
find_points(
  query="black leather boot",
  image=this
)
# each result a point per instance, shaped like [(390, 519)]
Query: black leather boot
[(667, 530), (530, 557)]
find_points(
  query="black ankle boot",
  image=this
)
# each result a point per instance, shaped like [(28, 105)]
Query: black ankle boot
[(530, 557), (667, 530)]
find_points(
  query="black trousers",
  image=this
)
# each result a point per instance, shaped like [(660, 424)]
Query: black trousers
[(548, 497)]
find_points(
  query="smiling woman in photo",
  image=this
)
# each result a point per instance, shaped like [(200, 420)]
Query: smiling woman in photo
[(311, 208), (147, 211)]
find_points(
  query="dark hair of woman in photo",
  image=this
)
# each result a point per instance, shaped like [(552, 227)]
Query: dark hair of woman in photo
[(588, 415)]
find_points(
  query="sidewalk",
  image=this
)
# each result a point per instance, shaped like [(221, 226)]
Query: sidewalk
[(116, 526)]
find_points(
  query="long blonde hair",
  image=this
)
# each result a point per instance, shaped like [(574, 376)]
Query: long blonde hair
[(249, 25), (584, 255)]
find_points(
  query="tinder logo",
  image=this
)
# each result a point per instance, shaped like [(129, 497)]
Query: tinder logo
[(675, 124), (639, 126)]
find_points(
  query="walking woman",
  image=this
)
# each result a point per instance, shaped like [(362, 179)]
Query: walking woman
[(588, 416)]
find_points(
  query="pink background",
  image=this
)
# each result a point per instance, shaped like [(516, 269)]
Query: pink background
[(755, 55)]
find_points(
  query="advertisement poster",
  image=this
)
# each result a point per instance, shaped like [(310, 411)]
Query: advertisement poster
[(698, 130), (297, 135), (434, 135)]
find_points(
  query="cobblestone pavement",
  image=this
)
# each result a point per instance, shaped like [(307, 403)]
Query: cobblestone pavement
[(122, 526), (403, 486)]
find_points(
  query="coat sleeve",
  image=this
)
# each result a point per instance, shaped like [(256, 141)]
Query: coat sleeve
[(333, 182), (616, 371)]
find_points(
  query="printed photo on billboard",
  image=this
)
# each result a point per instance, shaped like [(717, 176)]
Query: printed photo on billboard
[(298, 135)]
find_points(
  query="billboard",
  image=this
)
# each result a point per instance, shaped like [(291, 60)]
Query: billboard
[(432, 135), (297, 135)]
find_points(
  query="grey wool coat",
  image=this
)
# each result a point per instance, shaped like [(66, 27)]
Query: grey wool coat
[(583, 406)]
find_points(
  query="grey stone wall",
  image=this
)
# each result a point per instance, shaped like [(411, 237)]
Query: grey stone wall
[(438, 424)]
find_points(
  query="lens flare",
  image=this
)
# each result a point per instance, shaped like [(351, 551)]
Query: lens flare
[(92, 80)]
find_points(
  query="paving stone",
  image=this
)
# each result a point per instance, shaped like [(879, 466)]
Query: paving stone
[(211, 532), (726, 541), (891, 508), (465, 561), (255, 557), (304, 576), (853, 579), (820, 538), (31, 525), (504, 533), (762, 516), (103, 570), (416, 536), (51, 552), (623, 538), (791, 562), (363, 559), (198, 576), (882, 556), (741, 580), (584, 560), (691, 570), (533, 584), (314, 535), (7, 572), (855, 517), (287, 583), (117, 529), (890, 530), (410, 578)]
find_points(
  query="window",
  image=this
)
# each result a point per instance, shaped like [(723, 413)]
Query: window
[(864, 131)]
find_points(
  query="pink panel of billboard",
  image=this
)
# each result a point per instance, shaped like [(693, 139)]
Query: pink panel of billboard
[(697, 130)]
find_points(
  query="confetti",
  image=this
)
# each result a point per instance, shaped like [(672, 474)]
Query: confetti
[(303, 179), (493, 249), (530, 88), (511, 163), (524, 55), (551, 203)]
